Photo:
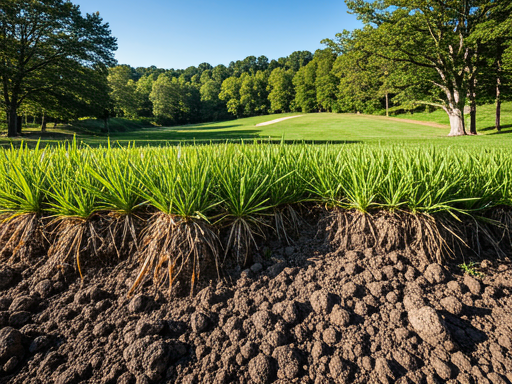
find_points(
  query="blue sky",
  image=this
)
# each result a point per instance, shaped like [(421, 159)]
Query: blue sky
[(178, 34)]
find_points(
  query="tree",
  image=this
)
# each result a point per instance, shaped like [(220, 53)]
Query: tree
[(435, 35), (123, 90), (142, 92), (325, 82), (230, 93), (172, 100), (41, 40), (282, 93), (305, 90)]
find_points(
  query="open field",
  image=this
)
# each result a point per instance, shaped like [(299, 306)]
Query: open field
[(318, 127)]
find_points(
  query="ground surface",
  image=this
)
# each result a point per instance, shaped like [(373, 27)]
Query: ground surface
[(306, 314), (418, 128)]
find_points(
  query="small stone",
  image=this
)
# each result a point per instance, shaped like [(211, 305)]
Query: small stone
[(317, 351), (335, 367), (146, 327), (348, 290), (10, 344), (383, 371), (330, 336), (199, 322), (405, 359), (137, 304), (102, 329), (256, 267), (248, 350), (392, 297), (288, 362), (434, 274), (11, 364), (442, 369), (44, 288), (461, 361), (276, 269), (19, 319), (289, 251), (339, 316), (321, 302), (260, 369), (39, 343), (23, 303), (454, 286), (452, 305), (427, 324), (473, 284), (361, 308), (505, 342)]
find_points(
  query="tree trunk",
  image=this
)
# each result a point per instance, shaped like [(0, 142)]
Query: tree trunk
[(387, 105), (456, 122), (12, 127), (19, 124), (106, 126), (472, 114), (43, 123), (498, 96), (472, 106)]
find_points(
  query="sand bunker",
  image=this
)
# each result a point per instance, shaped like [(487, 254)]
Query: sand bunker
[(276, 120)]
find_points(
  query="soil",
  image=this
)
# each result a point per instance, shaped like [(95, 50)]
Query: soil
[(301, 313)]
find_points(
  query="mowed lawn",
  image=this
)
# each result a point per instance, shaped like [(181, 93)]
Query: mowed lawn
[(315, 127)]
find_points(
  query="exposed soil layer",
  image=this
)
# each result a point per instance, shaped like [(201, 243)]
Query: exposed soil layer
[(300, 313)]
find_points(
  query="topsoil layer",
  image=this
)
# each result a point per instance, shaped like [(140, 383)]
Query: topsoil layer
[(304, 315)]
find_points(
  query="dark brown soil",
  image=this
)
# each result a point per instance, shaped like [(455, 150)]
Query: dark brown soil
[(304, 314)]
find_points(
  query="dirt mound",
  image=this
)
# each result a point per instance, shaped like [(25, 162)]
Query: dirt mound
[(303, 314)]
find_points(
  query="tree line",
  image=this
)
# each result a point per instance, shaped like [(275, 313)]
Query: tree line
[(450, 54)]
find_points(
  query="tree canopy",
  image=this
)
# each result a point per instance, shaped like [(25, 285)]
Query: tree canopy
[(44, 45)]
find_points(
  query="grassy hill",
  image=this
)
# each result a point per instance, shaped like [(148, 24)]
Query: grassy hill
[(415, 128)]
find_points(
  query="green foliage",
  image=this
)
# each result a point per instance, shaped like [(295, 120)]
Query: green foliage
[(281, 91), (49, 63), (471, 269)]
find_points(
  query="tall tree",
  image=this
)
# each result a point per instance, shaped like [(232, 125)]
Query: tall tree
[(230, 93), (282, 92), (123, 91), (305, 90), (42, 39), (325, 82), (430, 34)]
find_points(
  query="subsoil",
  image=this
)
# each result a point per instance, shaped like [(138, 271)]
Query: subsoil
[(302, 313)]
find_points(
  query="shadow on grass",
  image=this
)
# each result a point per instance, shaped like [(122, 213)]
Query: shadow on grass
[(493, 128)]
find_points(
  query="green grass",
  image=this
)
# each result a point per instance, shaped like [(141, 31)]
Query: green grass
[(486, 115), (86, 200), (317, 127)]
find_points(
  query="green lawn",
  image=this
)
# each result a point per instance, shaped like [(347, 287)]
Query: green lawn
[(317, 127)]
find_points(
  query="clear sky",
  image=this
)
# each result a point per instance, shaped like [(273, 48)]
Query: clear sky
[(178, 34)]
